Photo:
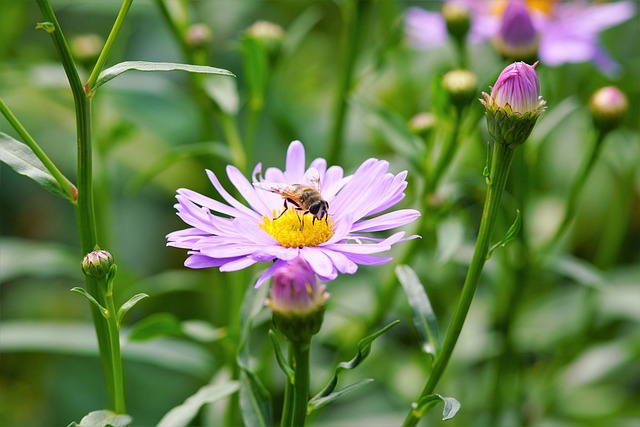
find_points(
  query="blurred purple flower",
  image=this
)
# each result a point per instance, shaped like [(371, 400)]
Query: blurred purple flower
[(244, 235), (295, 290), (567, 31)]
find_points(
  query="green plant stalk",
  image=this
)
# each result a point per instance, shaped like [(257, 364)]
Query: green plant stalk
[(499, 172), (301, 382), (66, 185), (448, 153), (116, 359), (104, 54), (85, 212), (233, 139), (576, 189), (353, 19), (287, 405)]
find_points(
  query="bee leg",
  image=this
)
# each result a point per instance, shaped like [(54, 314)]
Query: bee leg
[(301, 220), (285, 209)]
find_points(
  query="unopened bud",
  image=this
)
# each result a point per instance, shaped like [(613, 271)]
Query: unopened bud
[(97, 264), (270, 34), (86, 47), (458, 20), (608, 107), (461, 85), (198, 35), (422, 123)]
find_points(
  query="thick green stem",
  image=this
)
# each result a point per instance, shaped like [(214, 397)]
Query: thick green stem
[(287, 405), (301, 382), (104, 54), (500, 165), (353, 19), (116, 359), (85, 211), (65, 185), (575, 190)]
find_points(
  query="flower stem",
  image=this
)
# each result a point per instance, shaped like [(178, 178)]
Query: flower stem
[(353, 15), (65, 185), (116, 360), (104, 54), (448, 153), (500, 165), (575, 190), (301, 382), (85, 211), (287, 405)]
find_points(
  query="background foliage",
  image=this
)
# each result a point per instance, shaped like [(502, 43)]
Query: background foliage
[(555, 346)]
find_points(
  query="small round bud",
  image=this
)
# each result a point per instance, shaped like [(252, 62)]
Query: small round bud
[(458, 20), (86, 47), (517, 38), (270, 34), (461, 85), (97, 264), (198, 35), (297, 301), (608, 107), (422, 123), (514, 105)]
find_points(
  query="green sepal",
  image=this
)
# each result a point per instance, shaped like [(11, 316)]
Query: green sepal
[(316, 404), (92, 300), (299, 327), (510, 128), (512, 232), (47, 26), (111, 275), (364, 348), (124, 308), (282, 362), (428, 402), (103, 418)]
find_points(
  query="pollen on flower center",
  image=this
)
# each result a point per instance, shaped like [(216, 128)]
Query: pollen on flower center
[(288, 231)]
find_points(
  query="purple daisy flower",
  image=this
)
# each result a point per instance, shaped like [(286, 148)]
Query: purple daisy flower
[(234, 236), (567, 31)]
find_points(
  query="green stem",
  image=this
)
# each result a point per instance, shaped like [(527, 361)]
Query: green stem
[(575, 190), (66, 185), (353, 20), (116, 359), (500, 165), (301, 382), (287, 405), (448, 153), (85, 211), (233, 139), (104, 54)]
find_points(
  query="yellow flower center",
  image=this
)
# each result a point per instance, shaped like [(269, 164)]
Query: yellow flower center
[(543, 6), (297, 230)]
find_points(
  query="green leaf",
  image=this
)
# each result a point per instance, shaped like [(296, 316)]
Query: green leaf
[(256, 70), (282, 362), (299, 29), (104, 418), (316, 404), (92, 300), (582, 272), (156, 325), (451, 406), (424, 319), (364, 348), (512, 232), (202, 331), (182, 414), (30, 258), (22, 159), (129, 305), (450, 233), (255, 400), (224, 92), (116, 70)]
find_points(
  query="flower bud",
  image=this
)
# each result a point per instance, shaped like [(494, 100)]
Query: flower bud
[(517, 38), (514, 105), (97, 264), (198, 36), (458, 20), (86, 47), (422, 123), (297, 301), (461, 86), (608, 107), (270, 34)]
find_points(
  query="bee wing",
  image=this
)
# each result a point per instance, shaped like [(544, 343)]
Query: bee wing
[(273, 187), (312, 177)]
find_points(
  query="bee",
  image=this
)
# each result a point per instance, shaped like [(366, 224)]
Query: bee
[(305, 198)]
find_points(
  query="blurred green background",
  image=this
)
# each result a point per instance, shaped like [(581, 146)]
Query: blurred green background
[(571, 357)]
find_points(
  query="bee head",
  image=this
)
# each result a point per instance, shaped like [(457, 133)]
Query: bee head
[(319, 209)]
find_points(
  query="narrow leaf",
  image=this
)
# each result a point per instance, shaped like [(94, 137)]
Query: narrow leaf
[(364, 348), (316, 404), (156, 325), (202, 331), (22, 159), (129, 305), (512, 232), (116, 70), (424, 405), (424, 319), (282, 362), (92, 300), (103, 418), (182, 414)]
